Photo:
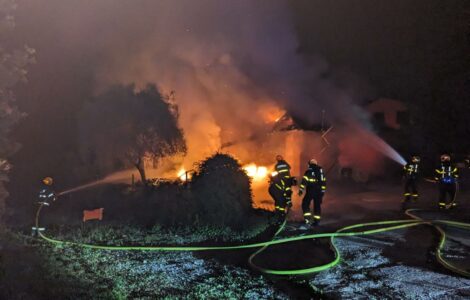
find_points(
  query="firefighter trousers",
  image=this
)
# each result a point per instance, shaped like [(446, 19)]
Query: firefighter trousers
[(446, 189), (279, 198), (316, 196), (411, 190)]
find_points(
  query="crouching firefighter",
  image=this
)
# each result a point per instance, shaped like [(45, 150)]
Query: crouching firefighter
[(46, 196), (314, 183), (280, 187), (446, 175), (411, 176)]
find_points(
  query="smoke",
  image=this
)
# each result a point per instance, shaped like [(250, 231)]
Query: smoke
[(234, 65), (229, 62)]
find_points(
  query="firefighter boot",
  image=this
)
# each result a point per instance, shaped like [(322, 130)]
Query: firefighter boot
[(316, 220), (406, 197), (305, 226)]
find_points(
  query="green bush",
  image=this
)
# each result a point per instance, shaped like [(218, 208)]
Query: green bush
[(221, 190)]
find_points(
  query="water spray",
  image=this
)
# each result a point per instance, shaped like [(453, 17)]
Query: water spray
[(122, 176), (380, 145)]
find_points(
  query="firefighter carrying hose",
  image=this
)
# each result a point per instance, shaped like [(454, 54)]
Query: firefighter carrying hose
[(446, 175), (314, 182), (411, 176), (280, 187), (46, 195)]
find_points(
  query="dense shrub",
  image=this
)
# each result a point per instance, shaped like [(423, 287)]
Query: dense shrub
[(222, 191)]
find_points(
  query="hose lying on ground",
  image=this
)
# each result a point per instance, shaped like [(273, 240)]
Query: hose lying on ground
[(343, 232)]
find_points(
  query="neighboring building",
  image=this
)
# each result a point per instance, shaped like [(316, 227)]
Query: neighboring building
[(388, 113)]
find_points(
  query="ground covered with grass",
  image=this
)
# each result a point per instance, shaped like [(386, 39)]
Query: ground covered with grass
[(72, 272), (114, 235)]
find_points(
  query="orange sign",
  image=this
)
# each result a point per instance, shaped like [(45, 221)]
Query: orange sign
[(96, 214)]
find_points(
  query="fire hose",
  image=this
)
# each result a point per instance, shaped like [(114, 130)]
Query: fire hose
[(348, 231)]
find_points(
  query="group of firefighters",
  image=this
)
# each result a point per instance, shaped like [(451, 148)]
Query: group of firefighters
[(313, 185), (446, 175)]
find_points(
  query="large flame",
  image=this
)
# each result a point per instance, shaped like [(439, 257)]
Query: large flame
[(257, 173)]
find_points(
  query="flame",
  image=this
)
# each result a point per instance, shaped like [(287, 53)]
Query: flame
[(183, 175), (257, 173), (271, 113)]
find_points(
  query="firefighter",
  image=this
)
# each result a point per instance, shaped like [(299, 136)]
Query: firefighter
[(282, 168), (446, 175), (411, 175), (314, 183), (47, 194), (280, 187)]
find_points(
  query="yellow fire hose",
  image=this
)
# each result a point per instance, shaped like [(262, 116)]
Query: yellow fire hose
[(353, 230)]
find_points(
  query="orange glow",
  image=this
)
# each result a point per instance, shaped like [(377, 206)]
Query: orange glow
[(257, 173), (183, 175), (271, 113)]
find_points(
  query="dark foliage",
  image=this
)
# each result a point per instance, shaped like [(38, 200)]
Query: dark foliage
[(123, 128), (222, 191)]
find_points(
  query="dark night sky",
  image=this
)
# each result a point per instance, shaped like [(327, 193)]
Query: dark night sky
[(403, 47)]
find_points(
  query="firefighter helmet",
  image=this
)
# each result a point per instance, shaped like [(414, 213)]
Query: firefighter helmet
[(313, 161), (48, 181), (415, 159), (445, 157), (279, 157)]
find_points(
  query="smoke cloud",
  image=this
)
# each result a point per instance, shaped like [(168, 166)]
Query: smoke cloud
[(234, 65)]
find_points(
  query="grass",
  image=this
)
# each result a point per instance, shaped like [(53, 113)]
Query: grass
[(71, 272), (106, 234)]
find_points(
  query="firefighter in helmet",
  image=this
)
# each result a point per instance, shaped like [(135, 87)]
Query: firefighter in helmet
[(446, 175), (411, 174), (47, 194), (280, 187), (314, 183)]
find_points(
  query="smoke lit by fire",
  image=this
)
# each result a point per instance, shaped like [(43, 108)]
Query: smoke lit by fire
[(234, 76)]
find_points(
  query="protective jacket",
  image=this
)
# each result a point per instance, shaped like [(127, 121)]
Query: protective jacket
[(46, 195), (411, 170), (446, 173), (314, 178), (283, 182)]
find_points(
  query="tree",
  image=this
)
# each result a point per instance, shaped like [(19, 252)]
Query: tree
[(13, 64), (122, 127)]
